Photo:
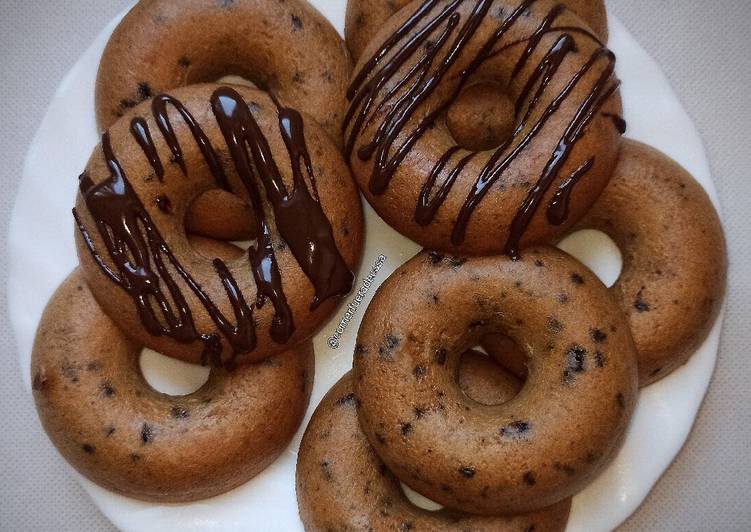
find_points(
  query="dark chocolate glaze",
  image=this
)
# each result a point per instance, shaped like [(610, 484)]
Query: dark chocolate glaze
[(143, 264), (438, 34)]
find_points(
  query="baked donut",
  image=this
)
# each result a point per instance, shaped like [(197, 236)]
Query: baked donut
[(365, 17), (342, 484), (287, 48), (672, 283), (118, 432), (539, 448), (132, 244), (561, 83)]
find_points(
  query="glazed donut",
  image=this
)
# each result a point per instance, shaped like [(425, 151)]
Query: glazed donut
[(342, 484), (118, 432), (287, 48), (365, 17), (672, 283), (132, 246), (557, 77), (551, 439)]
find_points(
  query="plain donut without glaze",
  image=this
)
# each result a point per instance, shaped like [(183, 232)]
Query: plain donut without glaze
[(132, 243), (537, 183), (560, 431), (118, 432), (287, 48), (365, 17), (673, 278), (342, 485)]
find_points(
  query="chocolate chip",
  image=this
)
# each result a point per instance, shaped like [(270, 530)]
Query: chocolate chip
[(360, 349), (435, 257), (347, 400), (641, 306), (539, 263), (147, 433), (144, 91), (598, 336), (467, 471), (296, 22), (529, 478), (570, 471), (440, 356), (576, 359), (621, 400), (390, 343), (178, 412), (420, 412), (515, 429), (380, 439), (599, 359), (406, 428), (457, 262), (183, 62), (40, 378), (107, 389), (419, 372), (88, 449), (325, 469), (577, 279), (554, 325)]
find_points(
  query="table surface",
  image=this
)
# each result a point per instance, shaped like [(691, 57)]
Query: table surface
[(705, 50)]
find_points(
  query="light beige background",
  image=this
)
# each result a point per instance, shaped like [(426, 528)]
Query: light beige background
[(705, 48)]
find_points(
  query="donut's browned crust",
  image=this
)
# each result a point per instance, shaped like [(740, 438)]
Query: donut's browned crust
[(342, 484), (488, 228), (337, 192), (118, 432), (287, 47), (365, 17), (541, 447), (674, 261)]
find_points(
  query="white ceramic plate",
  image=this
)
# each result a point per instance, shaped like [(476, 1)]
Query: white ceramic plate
[(42, 253)]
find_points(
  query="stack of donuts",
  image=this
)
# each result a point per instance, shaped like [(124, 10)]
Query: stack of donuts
[(493, 373), (184, 168)]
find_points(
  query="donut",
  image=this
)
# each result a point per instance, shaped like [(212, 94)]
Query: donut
[(533, 186), (524, 455), (342, 484), (287, 48), (365, 17), (149, 168), (673, 278), (118, 432)]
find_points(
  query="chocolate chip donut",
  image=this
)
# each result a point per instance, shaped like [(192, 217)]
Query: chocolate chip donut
[(132, 243), (539, 448), (673, 279), (287, 48), (559, 85), (120, 433), (365, 17), (342, 484)]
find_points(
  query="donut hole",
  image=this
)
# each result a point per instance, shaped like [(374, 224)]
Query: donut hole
[(171, 376), (482, 117), (485, 380), (236, 79), (220, 215), (597, 251), (418, 500)]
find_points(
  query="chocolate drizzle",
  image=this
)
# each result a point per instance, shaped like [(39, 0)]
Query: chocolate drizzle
[(436, 33), (145, 267)]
